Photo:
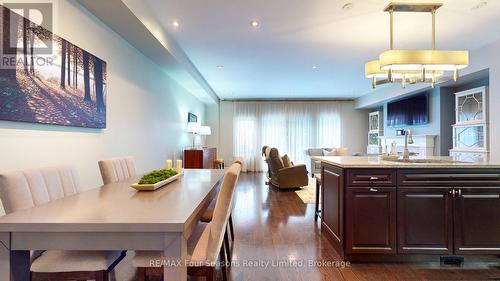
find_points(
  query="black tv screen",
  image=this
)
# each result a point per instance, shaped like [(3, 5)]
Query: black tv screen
[(410, 111)]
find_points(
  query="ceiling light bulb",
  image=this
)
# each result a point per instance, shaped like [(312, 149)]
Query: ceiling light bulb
[(220, 66), (254, 23), (175, 23)]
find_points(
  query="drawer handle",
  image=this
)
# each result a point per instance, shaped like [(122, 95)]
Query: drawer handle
[(373, 190), (373, 178)]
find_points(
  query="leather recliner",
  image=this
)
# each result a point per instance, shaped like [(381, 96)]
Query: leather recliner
[(285, 175)]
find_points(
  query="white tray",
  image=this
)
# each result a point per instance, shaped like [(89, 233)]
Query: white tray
[(151, 187)]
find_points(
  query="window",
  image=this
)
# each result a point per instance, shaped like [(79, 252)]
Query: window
[(292, 127)]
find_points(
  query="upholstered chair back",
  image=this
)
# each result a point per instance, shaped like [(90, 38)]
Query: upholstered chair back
[(25, 189), (275, 164), (117, 169), (222, 209)]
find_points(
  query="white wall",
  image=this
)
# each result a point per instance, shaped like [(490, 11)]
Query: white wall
[(489, 57), (354, 128), (146, 110), (212, 120), (220, 117)]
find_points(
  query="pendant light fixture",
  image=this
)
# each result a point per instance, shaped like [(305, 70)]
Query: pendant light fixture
[(415, 66)]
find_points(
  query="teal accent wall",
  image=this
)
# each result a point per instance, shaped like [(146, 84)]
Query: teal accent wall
[(441, 114)]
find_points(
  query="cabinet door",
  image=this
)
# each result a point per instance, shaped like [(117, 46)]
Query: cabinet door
[(209, 157), (193, 159), (371, 220), (477, 221), (332, 200), (425, 220)]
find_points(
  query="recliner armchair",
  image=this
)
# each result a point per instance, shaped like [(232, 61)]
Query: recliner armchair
[(284, 176)]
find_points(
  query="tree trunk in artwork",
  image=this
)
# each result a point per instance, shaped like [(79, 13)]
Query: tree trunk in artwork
[(63, 64), (32, 48), (86, 76), (25, 45), (69, 63), (75, 67), (10, 21), (99, 91)]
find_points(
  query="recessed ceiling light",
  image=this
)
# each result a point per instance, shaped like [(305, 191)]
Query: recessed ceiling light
[(314, 67), (348, 6), (479, 5), (220, 66), (254, 23), (175, 23)]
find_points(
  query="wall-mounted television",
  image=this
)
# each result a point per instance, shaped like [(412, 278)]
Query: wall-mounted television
[(410, 111)]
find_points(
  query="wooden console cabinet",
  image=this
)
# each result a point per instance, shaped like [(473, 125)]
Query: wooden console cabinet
[(397, 212), (202, 158)]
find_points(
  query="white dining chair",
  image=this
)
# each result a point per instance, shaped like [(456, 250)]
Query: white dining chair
[(208, 215), (26, 189), (117, 169), (205, 245)]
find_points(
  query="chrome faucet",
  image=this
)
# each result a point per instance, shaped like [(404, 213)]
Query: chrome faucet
[(408, 140)]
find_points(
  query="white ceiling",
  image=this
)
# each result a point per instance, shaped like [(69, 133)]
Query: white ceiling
[(275, 60)]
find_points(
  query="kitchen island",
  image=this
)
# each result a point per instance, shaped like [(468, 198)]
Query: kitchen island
[(376, 210)]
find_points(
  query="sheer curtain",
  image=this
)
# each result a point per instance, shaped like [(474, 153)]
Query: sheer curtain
[(292, 127)]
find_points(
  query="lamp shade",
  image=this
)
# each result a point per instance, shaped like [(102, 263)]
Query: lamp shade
[(193, 127), (413, 66), (428, 59), (205, 130)]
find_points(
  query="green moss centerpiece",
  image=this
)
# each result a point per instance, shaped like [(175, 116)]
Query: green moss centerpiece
[(157, 176), (156, 179)]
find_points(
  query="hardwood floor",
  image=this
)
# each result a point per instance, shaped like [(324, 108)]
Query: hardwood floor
[(276, 227)]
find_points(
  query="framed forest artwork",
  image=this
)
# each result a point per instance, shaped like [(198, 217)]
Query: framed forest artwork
[(66, 86)]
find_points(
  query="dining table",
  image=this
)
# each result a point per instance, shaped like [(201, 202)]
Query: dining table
[(112, 217)]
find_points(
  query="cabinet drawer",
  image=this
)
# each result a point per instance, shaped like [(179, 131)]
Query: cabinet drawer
[(371, 177), (449, 177)]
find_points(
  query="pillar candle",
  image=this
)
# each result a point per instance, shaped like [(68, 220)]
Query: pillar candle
[(168, 164), (178, 166)]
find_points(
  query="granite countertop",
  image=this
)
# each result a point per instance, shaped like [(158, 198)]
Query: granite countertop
[(376, 162)]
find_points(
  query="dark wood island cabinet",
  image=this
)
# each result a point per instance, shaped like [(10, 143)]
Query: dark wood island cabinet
[(379, 210)]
